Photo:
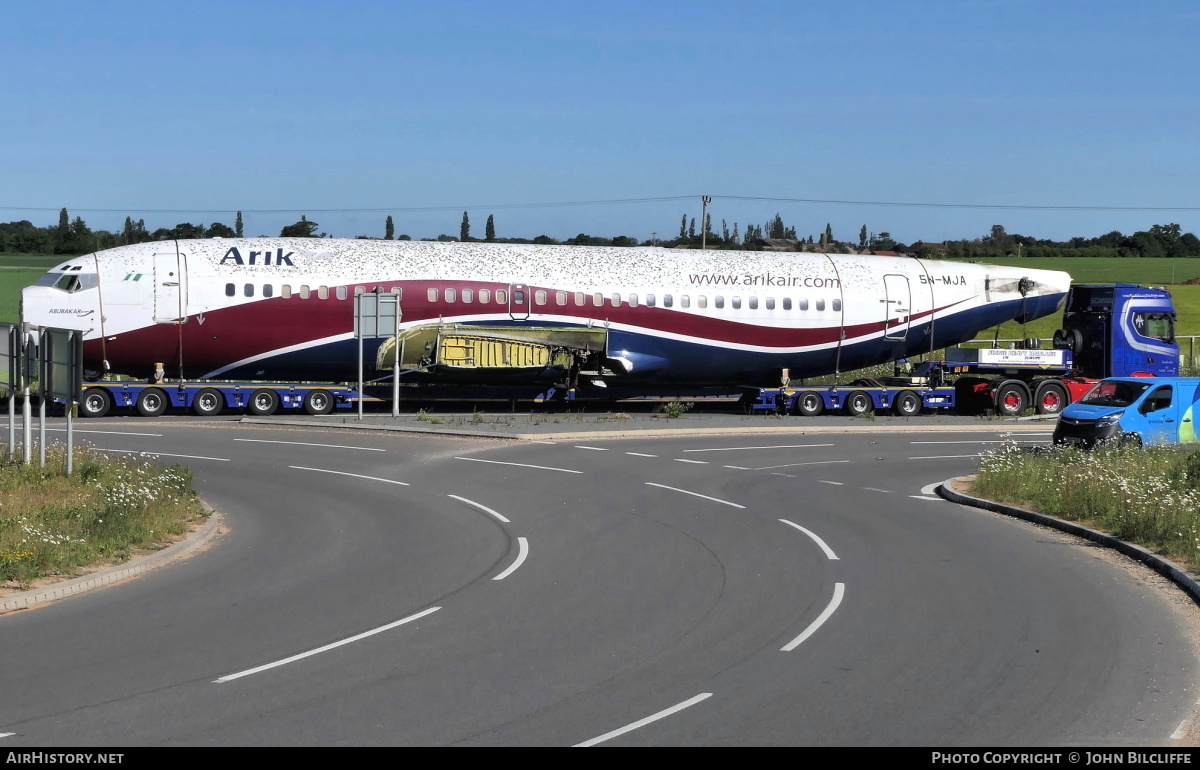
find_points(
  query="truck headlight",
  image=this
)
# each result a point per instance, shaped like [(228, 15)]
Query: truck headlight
[(1109, 419)]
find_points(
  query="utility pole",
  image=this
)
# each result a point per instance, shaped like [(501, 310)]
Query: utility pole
[(705, 200)]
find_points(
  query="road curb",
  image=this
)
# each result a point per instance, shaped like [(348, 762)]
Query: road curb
[(1164, 567), (75, 586)]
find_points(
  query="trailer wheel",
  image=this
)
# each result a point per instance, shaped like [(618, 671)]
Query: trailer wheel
[(263, 402), (1011, 399), (208, 402), (809, 404), (152, 402), (318, 402), (907, 404), (96, 402), (1051, 398), (858, 403)]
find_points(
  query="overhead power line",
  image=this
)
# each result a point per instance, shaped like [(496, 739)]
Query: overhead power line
[(608, 202)]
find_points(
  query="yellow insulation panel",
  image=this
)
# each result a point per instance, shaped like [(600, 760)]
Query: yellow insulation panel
[(483, 352)]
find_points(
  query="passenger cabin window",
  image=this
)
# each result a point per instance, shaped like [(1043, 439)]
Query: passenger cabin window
[(787, 303), (285, 291), (230, 290), (360, 289), (466, 296), (667, 300), (539, 297), (304, 292), (616, 300), (770, 303), (322, 292), (752, 303), (580, 299), (702, 301), (449, 294), (718, 302), (399, 292), (431, 294), (820, 304), (803, 304), (248, 290), (837, 304), (268, 290), (633, 302), (341, 292), (597, 299), (560, 298), (650, 300), (685, 300), (485, 296), (502, 297), (735, 303)]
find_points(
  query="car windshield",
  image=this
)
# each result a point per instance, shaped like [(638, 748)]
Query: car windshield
[(1108, 393)]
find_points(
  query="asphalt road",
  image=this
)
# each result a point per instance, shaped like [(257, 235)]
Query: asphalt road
[(720, 589)]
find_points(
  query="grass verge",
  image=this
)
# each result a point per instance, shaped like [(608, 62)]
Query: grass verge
[(1147, 496), (109, 509)]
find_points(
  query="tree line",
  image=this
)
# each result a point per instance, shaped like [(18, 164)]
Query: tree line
[(73, 236)]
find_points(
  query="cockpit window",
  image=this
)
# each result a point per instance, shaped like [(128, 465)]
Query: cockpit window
[(68, 282)]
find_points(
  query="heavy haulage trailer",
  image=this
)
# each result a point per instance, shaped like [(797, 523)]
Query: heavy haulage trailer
[(1109, 330)]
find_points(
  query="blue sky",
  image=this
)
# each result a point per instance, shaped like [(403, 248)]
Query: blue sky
[(350, 111)]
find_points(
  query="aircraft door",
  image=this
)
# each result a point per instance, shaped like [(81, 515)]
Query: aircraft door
[(898, 307), (170, 288), (518, 302)]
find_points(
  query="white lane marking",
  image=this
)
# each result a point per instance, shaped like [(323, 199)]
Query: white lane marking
[(522, 552), (695, 462), (307, 443), (354, 475), (735, 467), (107, 432), (738, 448), (877, 489), (828, 551), (326, 648), (694, 494), (777, 473), (593, 448), (519, 465), (543, 442), (1178, 735), (941, 457), (5, 735), (480, 507), (643, 722), (793, 465), (923, 497), (159, 454), (835, 483), (839, 590), (640, 454)]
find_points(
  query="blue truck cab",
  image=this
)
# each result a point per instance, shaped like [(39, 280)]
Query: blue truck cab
[(1138, 410)]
